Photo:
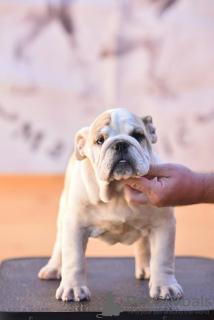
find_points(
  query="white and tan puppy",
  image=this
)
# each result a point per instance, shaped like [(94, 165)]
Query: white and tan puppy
[(115, 147)]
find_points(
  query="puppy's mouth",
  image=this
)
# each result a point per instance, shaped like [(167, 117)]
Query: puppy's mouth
[(123, 161), (122, 169)]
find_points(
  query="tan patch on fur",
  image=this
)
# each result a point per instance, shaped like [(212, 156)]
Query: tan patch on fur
[(100, 122)]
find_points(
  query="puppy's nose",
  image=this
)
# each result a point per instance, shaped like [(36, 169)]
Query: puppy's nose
[(120, 146)]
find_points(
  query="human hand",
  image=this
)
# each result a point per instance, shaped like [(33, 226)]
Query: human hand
[(167, 185)]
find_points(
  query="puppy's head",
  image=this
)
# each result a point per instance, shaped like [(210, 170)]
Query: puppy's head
[(118, 144)]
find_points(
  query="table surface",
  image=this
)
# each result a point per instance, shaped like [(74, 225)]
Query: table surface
[(22, 291)]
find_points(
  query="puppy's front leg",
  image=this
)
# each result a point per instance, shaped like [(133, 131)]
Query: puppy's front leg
[(162, 282), (142, 258), (73, 285)]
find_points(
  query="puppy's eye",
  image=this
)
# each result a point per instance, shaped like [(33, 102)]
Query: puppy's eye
[(100, 140), (138, 136)]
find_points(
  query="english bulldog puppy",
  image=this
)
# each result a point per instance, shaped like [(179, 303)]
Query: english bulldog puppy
[(117, 146)]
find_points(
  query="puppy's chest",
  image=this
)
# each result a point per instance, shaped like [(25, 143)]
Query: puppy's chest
[(115, 224), (123, 233)]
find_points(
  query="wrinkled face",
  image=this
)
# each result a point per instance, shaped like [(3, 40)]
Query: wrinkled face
[(118, 145)]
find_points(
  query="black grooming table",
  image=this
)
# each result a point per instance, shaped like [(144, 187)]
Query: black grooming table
[(114, 290)]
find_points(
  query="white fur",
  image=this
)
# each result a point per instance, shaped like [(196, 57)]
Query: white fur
[(91, 207)]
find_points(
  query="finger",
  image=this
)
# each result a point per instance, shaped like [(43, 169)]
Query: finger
[(149, 177), (142, 184), (135, 196)]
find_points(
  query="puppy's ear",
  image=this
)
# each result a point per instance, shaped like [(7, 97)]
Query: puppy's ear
[(80, 142), (151, 130)]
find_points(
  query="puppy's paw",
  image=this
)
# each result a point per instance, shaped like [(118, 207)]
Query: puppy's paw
[(142, 273), (77, 293), (166, 291), (50, 272)]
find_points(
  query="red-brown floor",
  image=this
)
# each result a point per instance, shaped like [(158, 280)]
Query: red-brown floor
[(28, 212)]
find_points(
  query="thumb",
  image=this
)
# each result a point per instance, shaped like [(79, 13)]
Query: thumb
[(160, 170)]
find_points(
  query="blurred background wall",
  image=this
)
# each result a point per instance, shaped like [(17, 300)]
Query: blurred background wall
[(64, 62)]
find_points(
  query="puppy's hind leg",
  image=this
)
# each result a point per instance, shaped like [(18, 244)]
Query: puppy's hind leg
[(142, 258), (52, 270)]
